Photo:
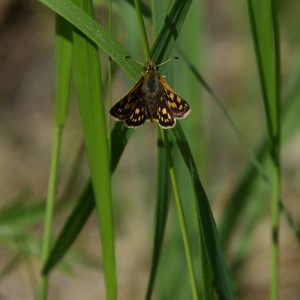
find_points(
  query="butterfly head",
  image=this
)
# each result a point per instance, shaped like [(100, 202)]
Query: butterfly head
[(151, 66)]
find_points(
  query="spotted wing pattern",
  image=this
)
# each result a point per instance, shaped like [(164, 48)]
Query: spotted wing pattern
[(123, 109), (179, 107), (163, 115), (138, 115)]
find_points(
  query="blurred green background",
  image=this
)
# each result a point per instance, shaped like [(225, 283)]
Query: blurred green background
[(217, 39)]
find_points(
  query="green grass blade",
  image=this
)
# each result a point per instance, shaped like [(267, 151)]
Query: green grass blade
[(63, 71), (161, 214), (142, 30), (159, 10), (263, 35), (255, 161), (206, 222), (72, 228), (109, 75), (166, 39), (91, 106), (263, 19), (86, 24), (181, 216), (63, 64)]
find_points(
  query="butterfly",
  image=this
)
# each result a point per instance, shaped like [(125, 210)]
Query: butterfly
[(151, 98)]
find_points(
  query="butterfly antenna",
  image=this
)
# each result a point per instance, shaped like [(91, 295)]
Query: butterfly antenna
[(135, 60), (165, 62)]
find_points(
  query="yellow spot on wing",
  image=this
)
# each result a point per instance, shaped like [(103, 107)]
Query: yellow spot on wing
[(164, 111), (172, 96), (178, 99), (137, 111)]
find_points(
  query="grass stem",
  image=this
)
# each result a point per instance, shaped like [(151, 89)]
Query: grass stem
[(142, 29), (50, 208), (109, 78), (181, 217)]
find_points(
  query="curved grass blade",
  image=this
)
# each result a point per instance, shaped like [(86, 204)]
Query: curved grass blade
[(255, 161), (206, 222), (89, 26), (91, 107)]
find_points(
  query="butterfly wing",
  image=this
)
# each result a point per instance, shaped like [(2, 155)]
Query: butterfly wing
[(138, 115), (163, 114), (123, 109), (179, 107)]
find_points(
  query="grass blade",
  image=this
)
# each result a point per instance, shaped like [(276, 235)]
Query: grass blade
[(86, 24), (181, 217), (70, 230), (165, 41), (206, 222), (91, 106), (161, 214), (162, 194), (63, 71), (254, 160), (263, 19)]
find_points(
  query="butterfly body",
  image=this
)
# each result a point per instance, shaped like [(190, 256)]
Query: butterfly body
[(151, 98)]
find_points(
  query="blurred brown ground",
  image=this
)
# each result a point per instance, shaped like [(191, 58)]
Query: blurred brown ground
[(26, 106)]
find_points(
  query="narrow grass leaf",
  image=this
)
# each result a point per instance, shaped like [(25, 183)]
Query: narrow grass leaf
[(72, 228), (161, 214), (181, 216), (219, 102), (264, 24), (159, 10), (63, 72), (91, 106), (166, 39), (64, 44), (206, 222), (261, 19)]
